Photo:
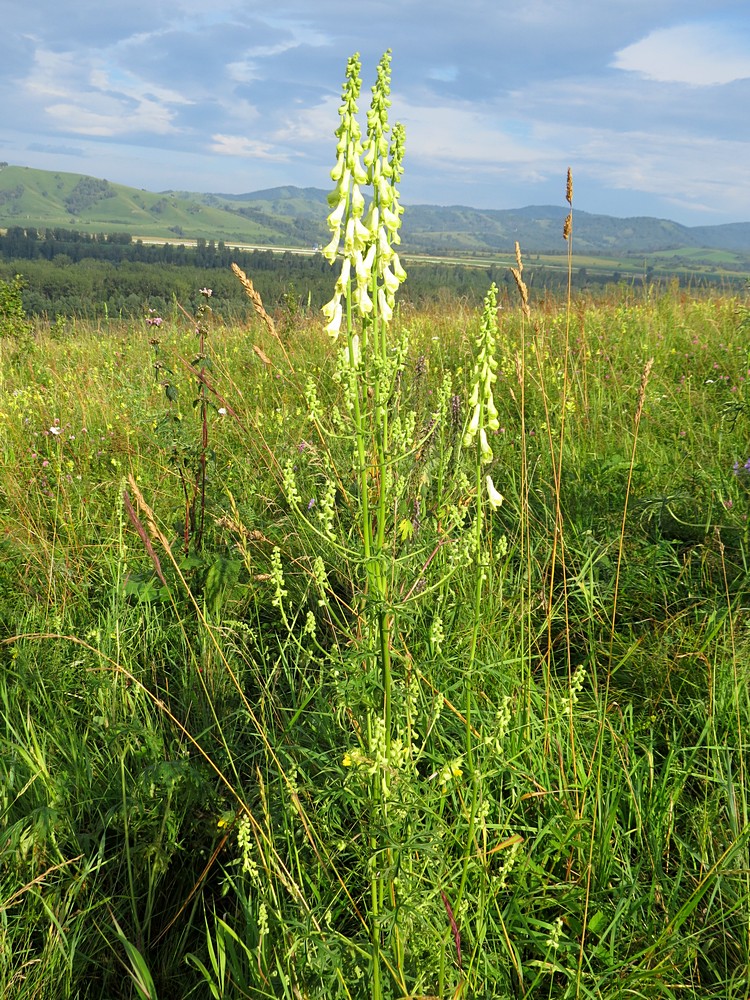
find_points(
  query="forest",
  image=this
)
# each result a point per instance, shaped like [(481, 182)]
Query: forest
[(96, 276)]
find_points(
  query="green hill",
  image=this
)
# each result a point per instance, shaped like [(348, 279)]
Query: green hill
[(295, 217), (44, 199)]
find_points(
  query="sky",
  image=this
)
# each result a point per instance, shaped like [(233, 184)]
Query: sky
[(648, 101)]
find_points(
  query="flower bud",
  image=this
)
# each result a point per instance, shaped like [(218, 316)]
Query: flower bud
[(473, 427), (484, 447), (397, 269), (335, 218), (362, 300), (343, 279), (338, 170), (386, 312), (494, 497), (363, 265), (333, 327), (331, 249), (390, 281), (358, 201)]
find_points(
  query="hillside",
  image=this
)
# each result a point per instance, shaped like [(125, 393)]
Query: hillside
[(44, 199), (295, 217)]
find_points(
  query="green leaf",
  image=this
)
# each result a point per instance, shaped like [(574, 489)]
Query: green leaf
[(406, 530)]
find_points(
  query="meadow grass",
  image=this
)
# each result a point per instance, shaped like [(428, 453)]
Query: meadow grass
[(411, 665), (184, 769)]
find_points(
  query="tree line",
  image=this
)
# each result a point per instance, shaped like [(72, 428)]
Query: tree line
[(68, 273)]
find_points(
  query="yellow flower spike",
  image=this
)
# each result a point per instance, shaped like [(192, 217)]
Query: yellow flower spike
[(365, 235)]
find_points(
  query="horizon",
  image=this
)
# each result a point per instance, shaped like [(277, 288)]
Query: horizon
[(563, 210)]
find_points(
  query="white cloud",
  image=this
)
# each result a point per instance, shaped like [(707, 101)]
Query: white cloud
[(240, 145), (112, 118), (79, 96), (462, 136), (700, 175), (443, 74), (698, 54), (130, 86), (54, 74)]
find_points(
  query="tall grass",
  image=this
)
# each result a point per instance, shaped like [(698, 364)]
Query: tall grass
[(342, 721)]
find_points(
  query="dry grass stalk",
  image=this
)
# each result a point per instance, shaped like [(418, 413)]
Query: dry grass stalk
[(142, 534), (642, 390), (252, 534), (254, 296), (256, 300), (523, 291), (568, 224), (262, 355)]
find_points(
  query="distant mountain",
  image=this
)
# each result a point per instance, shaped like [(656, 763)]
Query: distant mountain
[(295, 217), (538, 228)]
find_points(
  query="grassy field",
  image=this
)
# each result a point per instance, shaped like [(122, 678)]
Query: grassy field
[(198, 798)]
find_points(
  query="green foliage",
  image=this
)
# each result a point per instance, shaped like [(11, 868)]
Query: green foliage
[(629, 802), (14, 324), (87, 192)]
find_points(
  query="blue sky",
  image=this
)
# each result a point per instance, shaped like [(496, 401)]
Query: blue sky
[(647, 100)]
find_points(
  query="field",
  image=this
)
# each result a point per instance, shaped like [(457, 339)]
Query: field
[(397, 653), (186, 769)]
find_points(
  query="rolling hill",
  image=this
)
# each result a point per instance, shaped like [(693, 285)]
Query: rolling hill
[(295, 217)]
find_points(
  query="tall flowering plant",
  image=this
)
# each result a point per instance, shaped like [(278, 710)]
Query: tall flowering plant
[(364, 237)]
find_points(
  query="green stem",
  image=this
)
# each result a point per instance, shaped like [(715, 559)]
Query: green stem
[(478, 585)]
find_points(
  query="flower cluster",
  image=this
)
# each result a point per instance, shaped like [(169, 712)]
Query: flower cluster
[(484, 413), (481, 401), (371, 271)]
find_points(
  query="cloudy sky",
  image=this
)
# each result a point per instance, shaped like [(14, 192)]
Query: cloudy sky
[(647, 100)]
